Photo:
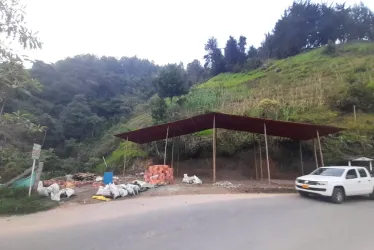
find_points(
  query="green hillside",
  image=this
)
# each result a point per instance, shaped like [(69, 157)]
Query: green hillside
[(310, 87), (315, 65)]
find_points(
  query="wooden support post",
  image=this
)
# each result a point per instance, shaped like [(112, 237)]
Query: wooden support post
[(315, 153), (172, 153), (178, 163), (125, 157), (354, 112), (31, 176), (38, 174), (214, 148), (260, 149), (301, 158), (320, 149), (166, 145), (267, 154), (255, 153)]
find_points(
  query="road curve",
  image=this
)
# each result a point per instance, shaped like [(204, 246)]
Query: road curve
[(197, 222)]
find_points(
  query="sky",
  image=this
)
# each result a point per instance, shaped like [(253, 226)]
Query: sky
[(164, 31)]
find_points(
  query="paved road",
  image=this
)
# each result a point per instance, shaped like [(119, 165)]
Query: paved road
[(213, 222)]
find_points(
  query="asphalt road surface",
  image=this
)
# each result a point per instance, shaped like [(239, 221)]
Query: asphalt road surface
[(197, 222)]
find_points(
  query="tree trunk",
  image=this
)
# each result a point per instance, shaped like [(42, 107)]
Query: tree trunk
[(2, 108), (45, 134)]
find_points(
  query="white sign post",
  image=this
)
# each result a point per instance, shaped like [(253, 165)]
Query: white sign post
[(35, 156)]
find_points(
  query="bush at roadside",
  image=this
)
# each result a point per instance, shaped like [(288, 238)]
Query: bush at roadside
[(17, 201)]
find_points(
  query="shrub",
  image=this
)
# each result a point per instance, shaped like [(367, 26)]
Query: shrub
[(16, 201), (330, 49)]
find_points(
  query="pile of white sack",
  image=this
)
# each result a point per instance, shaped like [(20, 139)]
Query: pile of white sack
[(54, 191), (191, 180), (115, 191)]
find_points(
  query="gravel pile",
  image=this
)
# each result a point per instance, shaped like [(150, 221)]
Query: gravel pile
[(227, 184)]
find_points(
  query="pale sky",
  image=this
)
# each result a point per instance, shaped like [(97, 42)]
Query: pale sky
[(160, 30)]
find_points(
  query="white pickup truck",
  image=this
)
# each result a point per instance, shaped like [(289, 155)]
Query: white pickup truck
[(336, 183)]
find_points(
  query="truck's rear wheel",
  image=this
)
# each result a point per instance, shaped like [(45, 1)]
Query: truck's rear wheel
[(337, 196)]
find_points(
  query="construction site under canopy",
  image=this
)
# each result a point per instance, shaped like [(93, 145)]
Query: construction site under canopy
[(292, 130)]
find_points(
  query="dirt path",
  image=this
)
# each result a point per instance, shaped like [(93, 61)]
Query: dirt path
[(85, 193)]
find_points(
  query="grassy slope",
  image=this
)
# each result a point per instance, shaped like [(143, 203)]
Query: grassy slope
[(294, 89)]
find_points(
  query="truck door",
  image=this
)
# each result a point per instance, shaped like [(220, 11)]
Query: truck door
[(365, 184), (352, 182)]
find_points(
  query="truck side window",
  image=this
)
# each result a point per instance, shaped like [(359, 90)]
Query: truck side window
[(362, 173), (351, 174)]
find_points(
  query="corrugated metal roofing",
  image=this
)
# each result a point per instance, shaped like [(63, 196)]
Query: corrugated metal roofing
[(292, 130)]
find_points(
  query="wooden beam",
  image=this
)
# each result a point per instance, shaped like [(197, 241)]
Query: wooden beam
[(166, 145), (267, 154), (301, 158), (26, 172), (315, 153), (320, 149), (214, 148)]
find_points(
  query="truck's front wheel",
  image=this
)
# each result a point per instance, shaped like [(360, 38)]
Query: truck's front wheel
[(371, 196), (337, 196)]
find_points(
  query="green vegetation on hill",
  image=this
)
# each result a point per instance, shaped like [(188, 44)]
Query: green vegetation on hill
[(74, 107), (311, 87)]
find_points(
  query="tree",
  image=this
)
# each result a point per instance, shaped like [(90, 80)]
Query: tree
[(158, 110), (13, 28), (195, 72), (172, 81), (252, 52), (232, 53), (14, 78), (361, 23), (242, 49), (306, 25), (78, 121), (214, 59)]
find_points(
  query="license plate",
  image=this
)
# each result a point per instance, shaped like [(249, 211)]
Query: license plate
[(305, 186)]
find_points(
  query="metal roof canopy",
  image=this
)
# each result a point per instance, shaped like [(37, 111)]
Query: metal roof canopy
[(292, 130)]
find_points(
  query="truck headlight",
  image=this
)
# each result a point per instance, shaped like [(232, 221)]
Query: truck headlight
[(322, 183)]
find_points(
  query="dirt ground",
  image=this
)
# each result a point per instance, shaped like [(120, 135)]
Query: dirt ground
[(84, 193)]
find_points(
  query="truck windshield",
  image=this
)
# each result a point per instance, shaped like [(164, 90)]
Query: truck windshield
[(337, 172)]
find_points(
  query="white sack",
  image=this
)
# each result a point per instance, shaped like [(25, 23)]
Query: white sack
[(114, 190), (104, 191), (42, 191), (69, 192)]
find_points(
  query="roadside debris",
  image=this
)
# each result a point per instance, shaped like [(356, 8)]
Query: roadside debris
[(100, 198), (227, 184), (123, 190), (84, 177), (54, 191), (191, 180)]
